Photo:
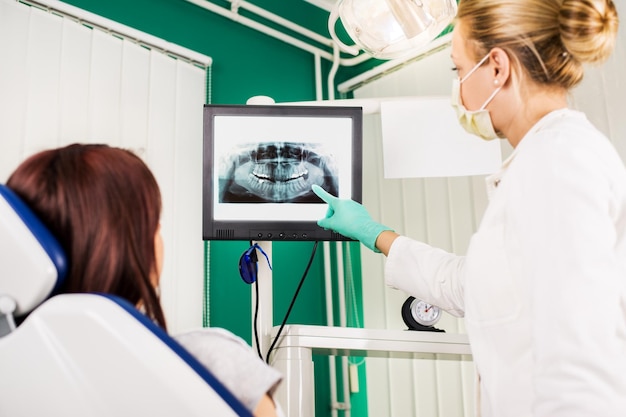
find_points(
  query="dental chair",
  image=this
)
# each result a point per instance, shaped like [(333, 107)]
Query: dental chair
[(85, 354)]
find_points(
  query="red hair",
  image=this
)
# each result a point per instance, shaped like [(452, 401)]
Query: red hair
[(104, 205)]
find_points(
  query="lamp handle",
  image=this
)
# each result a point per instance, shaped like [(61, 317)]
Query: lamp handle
[(332, 20)]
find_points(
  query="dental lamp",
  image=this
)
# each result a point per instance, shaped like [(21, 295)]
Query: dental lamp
[(388, 29)]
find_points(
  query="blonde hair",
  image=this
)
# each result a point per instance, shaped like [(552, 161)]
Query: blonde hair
[(550, 40)]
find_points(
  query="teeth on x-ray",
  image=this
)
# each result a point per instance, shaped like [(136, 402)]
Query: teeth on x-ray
[(278, 190), (278, 172)]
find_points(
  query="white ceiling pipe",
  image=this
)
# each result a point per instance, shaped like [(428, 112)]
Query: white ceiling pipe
[(283, 22), (299, 29), (319, 95), (260, 27), (330, 321), (332, 73), (343, 322), (276, 33)]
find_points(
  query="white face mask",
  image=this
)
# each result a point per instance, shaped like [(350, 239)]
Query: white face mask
[(477, 122)]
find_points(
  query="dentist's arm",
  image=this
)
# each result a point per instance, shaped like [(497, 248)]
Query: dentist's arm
[(352, 220), (385, 240)]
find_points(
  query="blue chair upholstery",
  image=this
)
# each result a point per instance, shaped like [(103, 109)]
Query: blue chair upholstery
[(86, 354)]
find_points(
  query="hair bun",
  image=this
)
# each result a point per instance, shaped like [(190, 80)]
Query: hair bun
[(588, 28)]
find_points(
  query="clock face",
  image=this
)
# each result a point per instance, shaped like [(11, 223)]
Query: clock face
[(424, 313)]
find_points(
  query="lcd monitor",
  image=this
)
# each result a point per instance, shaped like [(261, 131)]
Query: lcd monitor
[(260, 161)]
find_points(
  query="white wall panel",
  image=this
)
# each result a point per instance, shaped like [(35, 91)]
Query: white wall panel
[(14, 30), (105, 88), (41, 125), (65, 82), (187, 213), (74, 81), (159, 154), (134, 88)]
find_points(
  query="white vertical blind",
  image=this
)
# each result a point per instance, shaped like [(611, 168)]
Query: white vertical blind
[(64, 82), (445, 212)]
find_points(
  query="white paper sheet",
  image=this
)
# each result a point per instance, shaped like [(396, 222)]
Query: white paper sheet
[(423, 138)]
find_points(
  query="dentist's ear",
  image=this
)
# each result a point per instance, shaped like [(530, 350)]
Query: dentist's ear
[(500, 65)]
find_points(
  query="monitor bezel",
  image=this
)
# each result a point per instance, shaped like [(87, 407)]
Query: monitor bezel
[(257, 229)]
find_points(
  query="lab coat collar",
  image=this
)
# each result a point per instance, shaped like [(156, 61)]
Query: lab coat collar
[(493, 180)]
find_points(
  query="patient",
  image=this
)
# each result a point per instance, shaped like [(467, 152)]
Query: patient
[(104, 206)]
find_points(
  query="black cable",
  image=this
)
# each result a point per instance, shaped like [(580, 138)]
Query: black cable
[(293, 301), (256, 312)]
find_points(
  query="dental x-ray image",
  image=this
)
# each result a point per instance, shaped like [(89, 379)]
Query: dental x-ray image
[(276, 172)]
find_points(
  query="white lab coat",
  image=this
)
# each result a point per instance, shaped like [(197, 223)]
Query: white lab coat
[(543, 284)]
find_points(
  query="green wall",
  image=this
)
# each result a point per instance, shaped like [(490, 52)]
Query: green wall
[(248, 63)]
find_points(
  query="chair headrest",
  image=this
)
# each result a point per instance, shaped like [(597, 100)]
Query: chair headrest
[(32, 262)]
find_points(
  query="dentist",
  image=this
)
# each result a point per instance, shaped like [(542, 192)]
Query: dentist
[(542, 286)]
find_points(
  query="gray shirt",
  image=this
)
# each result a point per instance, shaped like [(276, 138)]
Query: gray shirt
[(233, 362)]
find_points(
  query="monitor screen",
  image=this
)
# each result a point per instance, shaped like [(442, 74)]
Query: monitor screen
[(260, 162)]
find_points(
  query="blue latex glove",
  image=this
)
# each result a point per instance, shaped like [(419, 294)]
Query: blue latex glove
[(350, 219)]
